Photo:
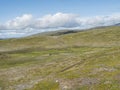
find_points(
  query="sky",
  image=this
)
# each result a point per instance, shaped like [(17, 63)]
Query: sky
[(25, 17)]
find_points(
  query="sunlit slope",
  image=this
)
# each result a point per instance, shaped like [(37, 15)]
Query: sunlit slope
[(108, 36), (75, 61)]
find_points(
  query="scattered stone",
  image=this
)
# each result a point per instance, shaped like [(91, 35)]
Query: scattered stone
[(65, 87), (56, 81), (106, 69), (27, 85), (102, 69), (107, 82), (117, 77), (88, 81)]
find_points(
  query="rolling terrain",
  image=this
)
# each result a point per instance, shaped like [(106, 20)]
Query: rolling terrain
[(68, 60)]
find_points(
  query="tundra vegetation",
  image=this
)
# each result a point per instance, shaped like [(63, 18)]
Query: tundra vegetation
[(82, 60)]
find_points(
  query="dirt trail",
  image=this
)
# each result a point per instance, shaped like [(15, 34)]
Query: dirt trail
[(82, 61)]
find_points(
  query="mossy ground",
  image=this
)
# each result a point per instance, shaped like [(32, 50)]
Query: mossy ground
[(87, 60)]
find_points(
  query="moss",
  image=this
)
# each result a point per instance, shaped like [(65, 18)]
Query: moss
[(46, 85), (25, 60)]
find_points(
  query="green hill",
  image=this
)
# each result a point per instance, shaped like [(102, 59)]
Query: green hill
[(68, 60)]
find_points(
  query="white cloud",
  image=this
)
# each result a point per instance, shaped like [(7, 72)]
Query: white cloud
[(55, 21), (50, 21), (19, 22), (58, 20), (28, 24), (99, 20)]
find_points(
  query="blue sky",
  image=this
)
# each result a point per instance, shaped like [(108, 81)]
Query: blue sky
[(12, 8), (16, 15)]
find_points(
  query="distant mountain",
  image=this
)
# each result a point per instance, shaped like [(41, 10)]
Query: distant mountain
[(117, 24)]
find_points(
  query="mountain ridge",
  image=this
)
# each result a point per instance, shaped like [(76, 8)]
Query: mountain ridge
[(62, 61)]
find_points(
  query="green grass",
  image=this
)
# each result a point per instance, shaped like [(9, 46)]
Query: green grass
[(77, 61), (46, 85)]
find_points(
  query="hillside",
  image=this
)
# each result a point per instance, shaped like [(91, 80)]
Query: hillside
[(81, 60)]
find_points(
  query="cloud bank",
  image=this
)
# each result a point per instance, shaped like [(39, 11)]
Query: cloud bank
[(27, 24)]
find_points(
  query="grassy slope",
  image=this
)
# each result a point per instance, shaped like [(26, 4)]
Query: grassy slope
[(79, 61)]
